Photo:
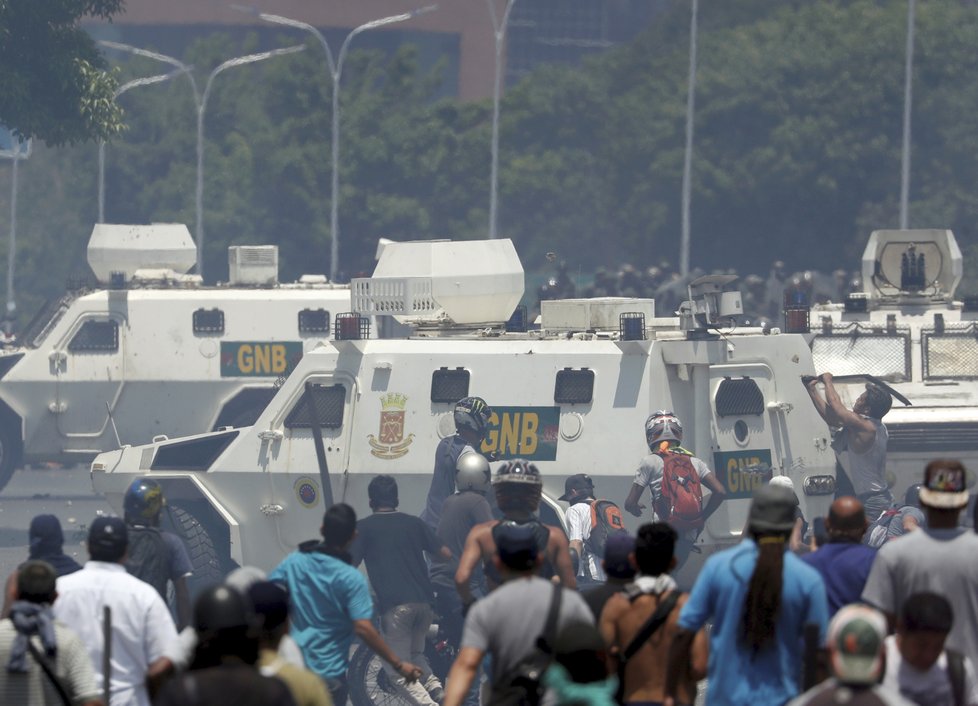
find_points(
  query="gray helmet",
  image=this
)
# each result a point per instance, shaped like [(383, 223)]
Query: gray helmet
[(472, 472), (663, 426)]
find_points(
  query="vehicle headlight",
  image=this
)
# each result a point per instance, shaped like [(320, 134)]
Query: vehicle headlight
[(819, 485)]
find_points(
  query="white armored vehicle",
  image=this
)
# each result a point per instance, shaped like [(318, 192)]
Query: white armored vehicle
[(572, 397), (907, 329), (153, 351)]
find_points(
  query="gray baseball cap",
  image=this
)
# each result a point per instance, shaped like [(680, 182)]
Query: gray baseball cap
[(772, 509)]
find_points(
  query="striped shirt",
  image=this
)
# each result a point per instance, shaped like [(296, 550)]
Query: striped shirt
[(71, 664)]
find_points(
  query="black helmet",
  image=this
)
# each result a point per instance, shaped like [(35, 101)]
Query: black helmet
[(518, 471), (144, 499), (472, 414), (222, 608)]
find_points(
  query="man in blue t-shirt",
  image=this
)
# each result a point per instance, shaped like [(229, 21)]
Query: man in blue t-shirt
[(844, 562), (755, 645), (331, 603)]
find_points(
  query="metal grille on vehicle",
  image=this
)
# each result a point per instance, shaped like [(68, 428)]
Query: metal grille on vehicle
[(208, 321), (938, 438), (96, 337), (739, 397), (574, 386), (950, 353), (449, 385), (328, 402), (856, 349), (313, 321), (193, 454)]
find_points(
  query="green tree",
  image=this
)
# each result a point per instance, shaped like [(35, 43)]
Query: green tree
[(53, 83)]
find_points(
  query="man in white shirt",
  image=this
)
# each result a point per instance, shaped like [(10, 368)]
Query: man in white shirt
[(579, 492), (141, 625), (918, 665)]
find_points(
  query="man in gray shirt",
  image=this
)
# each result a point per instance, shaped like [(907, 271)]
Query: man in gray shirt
[(939, 558), (460, 513), (507, 622), (860, 446)]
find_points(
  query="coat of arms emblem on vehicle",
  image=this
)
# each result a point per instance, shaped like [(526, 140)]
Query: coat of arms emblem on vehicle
[(390, 442)]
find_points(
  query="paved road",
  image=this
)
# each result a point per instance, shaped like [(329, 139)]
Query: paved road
[(66, 493)]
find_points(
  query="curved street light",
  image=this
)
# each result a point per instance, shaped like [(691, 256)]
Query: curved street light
[(335, 70), (688, 157), (907, 107), (200, 100), (499, 31), (148, 81)]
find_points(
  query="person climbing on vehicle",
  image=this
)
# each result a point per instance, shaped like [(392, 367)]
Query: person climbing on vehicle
[(518, 488), (860, 445), (155, 556), (589, 524), (472, 416), (675, 479)]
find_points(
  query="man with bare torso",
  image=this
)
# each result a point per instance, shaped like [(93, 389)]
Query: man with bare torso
[(517, 486), (625, 615)]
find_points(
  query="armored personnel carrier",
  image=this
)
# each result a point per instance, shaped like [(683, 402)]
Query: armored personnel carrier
[(571, 396), (907, 329), (152, 351)]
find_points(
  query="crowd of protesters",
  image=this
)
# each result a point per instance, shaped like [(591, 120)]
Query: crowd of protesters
[(529, 615)]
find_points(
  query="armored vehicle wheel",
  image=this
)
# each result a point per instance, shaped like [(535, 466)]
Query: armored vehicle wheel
[(200, 547), (10, 446), (369, 683)]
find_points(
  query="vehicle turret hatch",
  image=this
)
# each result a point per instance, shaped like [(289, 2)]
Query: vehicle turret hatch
[(328, 401)]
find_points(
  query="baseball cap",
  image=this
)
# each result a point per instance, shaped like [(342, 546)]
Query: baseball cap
[(108, 533), (616, 551), (772, 509), (945, 485), (578, 481), (855, 644), (516, 544)]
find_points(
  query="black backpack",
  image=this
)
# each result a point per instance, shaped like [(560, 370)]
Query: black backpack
[(149, 557), (606, 520)]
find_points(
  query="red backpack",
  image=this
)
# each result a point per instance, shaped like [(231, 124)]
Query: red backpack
[(680, 501)]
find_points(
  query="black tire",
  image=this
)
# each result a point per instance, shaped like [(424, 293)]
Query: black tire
[(200, 547), (10, 452), (369, 684)]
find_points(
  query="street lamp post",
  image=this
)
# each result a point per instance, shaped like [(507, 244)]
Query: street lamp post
[(200, 101), (101, 145), (907, 105), (499, 31), (201, 109), (688, 157), (335, 70)]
